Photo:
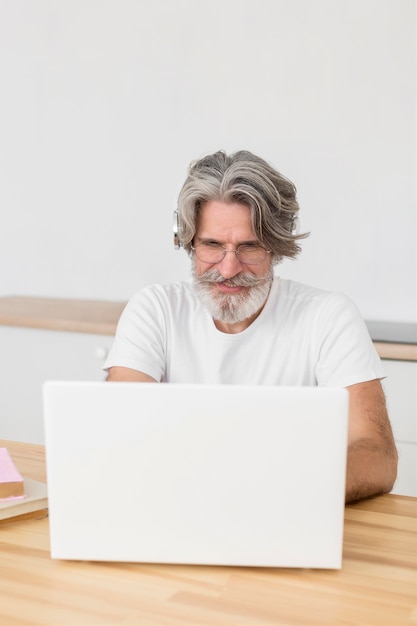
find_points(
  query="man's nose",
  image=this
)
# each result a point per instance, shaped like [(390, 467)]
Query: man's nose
[(230, 265)]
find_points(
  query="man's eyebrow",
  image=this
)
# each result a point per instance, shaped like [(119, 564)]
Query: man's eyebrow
[(249, 242), (206, 239)]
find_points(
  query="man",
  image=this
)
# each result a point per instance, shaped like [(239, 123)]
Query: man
[(239, 323)]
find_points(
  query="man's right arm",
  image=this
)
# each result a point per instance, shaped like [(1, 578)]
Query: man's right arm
[(125, 374)]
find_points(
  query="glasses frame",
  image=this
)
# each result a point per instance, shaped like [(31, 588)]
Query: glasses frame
[(225, 251)]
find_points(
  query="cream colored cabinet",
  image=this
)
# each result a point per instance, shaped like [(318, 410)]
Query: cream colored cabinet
[(400, 387), (30, 356)]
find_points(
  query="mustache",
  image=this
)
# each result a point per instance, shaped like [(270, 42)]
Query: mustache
[(240, 280)]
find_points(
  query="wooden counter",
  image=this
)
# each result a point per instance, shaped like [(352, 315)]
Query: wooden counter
[(396, 351), (395, 341), (101, 317), (376, 585), (83, 316)]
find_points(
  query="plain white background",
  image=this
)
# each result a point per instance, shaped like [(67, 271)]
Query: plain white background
[(104, 103)]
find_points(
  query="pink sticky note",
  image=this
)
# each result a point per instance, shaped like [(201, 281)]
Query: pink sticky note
[(11, 481)]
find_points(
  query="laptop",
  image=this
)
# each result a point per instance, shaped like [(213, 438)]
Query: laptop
[(196, 474)]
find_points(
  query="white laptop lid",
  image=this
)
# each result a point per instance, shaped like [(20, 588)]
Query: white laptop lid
[(197, 474)]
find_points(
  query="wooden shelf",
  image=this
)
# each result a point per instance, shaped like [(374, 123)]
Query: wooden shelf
[(83, 316), (396, 351), (394, 340), (100, 317)]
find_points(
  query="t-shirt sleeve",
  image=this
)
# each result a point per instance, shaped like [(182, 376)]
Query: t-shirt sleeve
[(346, 354), (139, 342)]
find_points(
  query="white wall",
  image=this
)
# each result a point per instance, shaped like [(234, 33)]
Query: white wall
[(104, 103)]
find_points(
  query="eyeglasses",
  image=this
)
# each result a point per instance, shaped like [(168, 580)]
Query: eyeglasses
[(213, 252)]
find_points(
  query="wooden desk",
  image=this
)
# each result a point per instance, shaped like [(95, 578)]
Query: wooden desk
[(376, 586)]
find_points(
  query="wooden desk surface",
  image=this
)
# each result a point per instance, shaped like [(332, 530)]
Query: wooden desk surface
[(377, 584)]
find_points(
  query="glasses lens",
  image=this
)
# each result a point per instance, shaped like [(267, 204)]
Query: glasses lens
[(214, 253), (209, 252), (251, 255)]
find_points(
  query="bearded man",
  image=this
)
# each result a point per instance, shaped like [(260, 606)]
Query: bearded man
[(238, 322)]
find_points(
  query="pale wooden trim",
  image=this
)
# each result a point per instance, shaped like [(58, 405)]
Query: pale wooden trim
[(396, 351), (84, 316), (101, 316)]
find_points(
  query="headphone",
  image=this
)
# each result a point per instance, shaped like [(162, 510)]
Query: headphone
[(295, 225), (295, 228), (177, 243)]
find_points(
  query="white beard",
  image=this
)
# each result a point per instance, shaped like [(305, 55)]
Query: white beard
[(232, 308)]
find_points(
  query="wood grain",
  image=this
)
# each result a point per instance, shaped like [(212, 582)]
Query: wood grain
[(396, 351), (376, 585), (83, 316), (101, 317)]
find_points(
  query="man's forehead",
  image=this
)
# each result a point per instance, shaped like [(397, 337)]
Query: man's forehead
[(225, 222)]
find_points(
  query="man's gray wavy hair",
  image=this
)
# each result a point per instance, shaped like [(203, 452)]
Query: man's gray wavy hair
[(246, 179)]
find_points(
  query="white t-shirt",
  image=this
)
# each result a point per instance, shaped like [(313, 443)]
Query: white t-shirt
[(303, 336)]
